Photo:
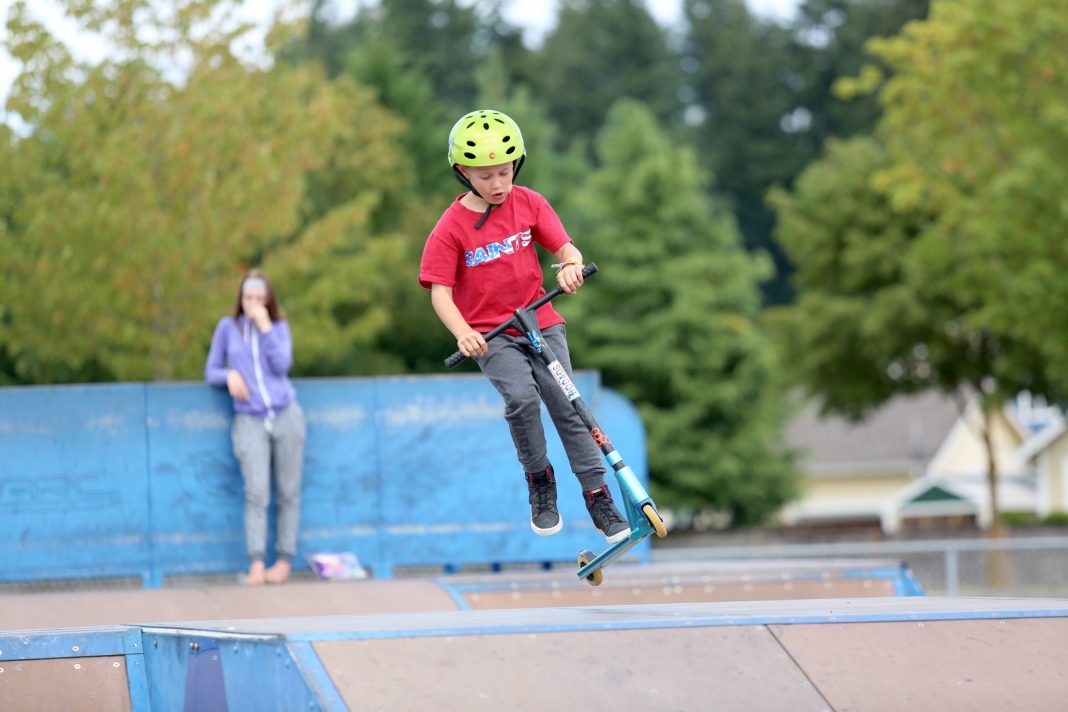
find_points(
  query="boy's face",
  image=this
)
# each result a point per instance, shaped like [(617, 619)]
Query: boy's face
[(493, 183)]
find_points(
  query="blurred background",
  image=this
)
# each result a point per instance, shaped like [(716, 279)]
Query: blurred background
[(831, 233)]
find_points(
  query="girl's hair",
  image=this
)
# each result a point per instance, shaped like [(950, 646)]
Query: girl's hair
[(273, 310)]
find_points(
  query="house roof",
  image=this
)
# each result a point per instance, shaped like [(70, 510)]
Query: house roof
[(903, 434), (943, 496), (1041, 440)]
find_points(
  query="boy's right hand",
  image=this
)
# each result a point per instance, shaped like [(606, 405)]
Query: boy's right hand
[(472, 344)]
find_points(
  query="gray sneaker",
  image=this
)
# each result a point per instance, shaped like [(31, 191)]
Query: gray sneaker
[(544, 517), (605, 516)]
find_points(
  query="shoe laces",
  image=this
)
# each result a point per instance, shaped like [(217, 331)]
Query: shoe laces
[(541, 484), (600, 505)]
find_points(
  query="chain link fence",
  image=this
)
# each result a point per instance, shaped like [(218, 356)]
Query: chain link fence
[(1025, 566)]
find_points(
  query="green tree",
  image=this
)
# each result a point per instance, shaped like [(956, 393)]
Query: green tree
[(743, 90), (831, 38), (601, 51), (441, 40), (762, 103), (140, 199), (857, 333), (672, 322), (975, 125), (870, 320)]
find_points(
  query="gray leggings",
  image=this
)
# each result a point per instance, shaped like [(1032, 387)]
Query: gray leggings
[(521, 377), (255, 448)]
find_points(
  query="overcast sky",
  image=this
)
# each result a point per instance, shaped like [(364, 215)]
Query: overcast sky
[(535, 17)]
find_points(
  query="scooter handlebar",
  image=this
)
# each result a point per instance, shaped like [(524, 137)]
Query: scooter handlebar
[(588, 270)]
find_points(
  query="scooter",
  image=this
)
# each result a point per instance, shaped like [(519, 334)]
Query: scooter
[(639, 508)]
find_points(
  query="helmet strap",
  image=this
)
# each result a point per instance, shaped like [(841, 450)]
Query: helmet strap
[(463, 179), (485, 216), (518, 163)]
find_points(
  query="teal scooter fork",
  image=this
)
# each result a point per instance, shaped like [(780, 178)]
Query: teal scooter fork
[(635, 499)]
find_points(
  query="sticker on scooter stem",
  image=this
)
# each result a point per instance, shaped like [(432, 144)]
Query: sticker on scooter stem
[(557, 369)]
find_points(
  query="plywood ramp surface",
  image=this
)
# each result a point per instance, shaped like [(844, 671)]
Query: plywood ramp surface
[(122, 607), (677, 669), (1007, 664)]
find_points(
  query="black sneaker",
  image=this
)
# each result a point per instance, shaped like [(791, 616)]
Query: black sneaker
[(544, 518), (605, 516)]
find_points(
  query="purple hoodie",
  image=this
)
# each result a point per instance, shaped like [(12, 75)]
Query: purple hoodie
[(236, 345)]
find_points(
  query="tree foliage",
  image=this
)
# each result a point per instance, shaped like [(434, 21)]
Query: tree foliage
[(976, 125), (599, 52), (142, 198), (672, 322), (908, 248), (831, 39), (762, 102)]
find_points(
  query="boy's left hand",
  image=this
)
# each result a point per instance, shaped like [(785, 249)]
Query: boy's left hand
[(570, 277)]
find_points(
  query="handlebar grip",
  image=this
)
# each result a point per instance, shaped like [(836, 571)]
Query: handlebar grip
[(588, 269), (455, 360)]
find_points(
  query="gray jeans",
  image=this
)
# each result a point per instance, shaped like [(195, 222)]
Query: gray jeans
[(255, 447), (520, 375)]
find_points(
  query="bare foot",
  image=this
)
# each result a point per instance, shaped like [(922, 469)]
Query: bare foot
[(256, 575), (279, 573)]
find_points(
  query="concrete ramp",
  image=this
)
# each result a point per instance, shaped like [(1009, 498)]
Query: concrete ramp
[(871, 654), (678, 582)]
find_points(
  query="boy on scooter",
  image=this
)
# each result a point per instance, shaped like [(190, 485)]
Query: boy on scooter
[(480, 265)]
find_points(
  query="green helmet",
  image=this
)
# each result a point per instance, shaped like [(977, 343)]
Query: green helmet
[(485, 138)]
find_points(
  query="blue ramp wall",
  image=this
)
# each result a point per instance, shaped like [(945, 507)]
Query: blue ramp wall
[(140, 479), (74, 496)]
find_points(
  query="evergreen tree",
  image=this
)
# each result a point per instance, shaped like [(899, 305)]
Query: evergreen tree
[(672, 322), (441, 41), (763, 104), (830, 38), (599, 52)]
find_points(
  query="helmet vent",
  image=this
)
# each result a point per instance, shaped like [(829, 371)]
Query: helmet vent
[(471, 143), (511, 150), (506, 139), (485, 126), (468, 154)]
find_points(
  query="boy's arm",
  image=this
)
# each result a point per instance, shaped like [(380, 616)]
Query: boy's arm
[(569, 274), (469, 341)]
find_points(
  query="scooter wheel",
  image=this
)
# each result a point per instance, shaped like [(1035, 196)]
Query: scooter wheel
[(586, 556), (654, 519)]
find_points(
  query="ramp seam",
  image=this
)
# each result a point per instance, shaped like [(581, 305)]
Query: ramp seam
[(800, 669)]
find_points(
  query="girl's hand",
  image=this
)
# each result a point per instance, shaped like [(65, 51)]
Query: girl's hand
[(259, 315), (570, 277), (236, 385), (472, 344)]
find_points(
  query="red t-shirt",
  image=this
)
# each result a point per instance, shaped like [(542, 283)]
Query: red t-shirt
[(494, 271)]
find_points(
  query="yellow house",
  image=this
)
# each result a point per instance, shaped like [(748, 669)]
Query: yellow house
[(919, 458), (1045, 456)]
